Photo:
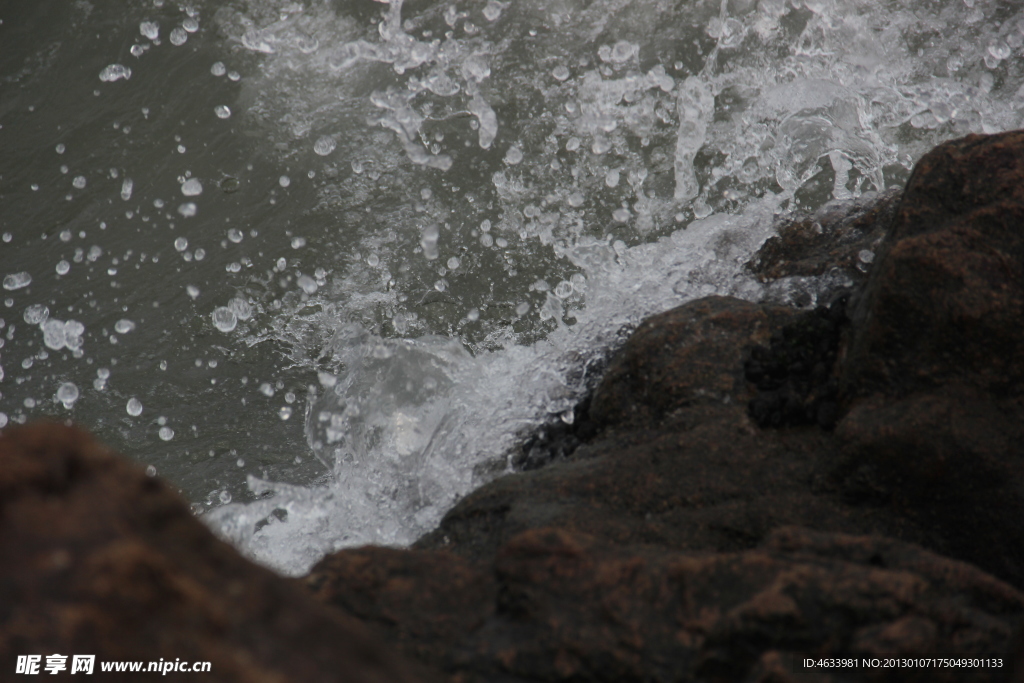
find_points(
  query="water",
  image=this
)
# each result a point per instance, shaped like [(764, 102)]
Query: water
[(320, 263)]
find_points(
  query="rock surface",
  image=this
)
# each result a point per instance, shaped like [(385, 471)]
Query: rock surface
[(99, 558), (553, 605)]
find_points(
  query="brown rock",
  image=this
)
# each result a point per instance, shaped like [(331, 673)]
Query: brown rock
[(829, 240), (690, 355), (554, 605), (946, 298), (99, 558)]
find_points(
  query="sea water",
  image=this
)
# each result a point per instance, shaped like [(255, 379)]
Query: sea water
[(320, 264)]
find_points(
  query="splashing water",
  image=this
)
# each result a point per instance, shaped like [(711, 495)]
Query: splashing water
[(414, 231)]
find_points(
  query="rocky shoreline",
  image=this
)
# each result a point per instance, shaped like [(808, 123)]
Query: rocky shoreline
[(749, 485)]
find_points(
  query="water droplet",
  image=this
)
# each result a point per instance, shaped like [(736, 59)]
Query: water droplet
[(188, 209), (428, 241), (513, 156), (308, 284), (63, 267), (284, 181), (218, 69), (178, 36), (222, 111), (67, 394), (134, 407), (79, 182), (284, 412), (453, 263), (150, 29), (181, 244), (193, 291), (266, 389), (17, 281), (166, 433), (560, 72), (124, 326), (192, 187), (373, 260), (191, 24), (492, 10), (576, 199), (298, 242), (36, 314), (224, 497), (224, 319), (621, 215), (115, 72), (150, 471), (324, 145), (572, 144), (126, 189), (563, 290)]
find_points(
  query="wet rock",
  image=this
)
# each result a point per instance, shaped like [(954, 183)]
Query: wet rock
[(795, 375), (98, 558), (690, 355), (555, 605), (839, 241), (946, 298)]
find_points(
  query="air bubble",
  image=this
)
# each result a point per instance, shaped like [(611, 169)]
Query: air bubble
[(560, 72), (453, 263), (188, 209), (513, 156), (222, 111), (298, 242), (178, 36), (181, 244), (124, 326), (79, 182), (63, 267), (166, 433), (284, 181), (218, 69), (284, 412)]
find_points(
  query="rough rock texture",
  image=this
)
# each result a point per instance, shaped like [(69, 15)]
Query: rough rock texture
[(832, 238), (98, 558), (685, 540), (559, 606), (691, 355), (946, 300)]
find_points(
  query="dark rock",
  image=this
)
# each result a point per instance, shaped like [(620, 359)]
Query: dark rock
[(830, 240), (951, 460), (795, 375), (99, 558), (946, 298), (555, 605), (691, 355)]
